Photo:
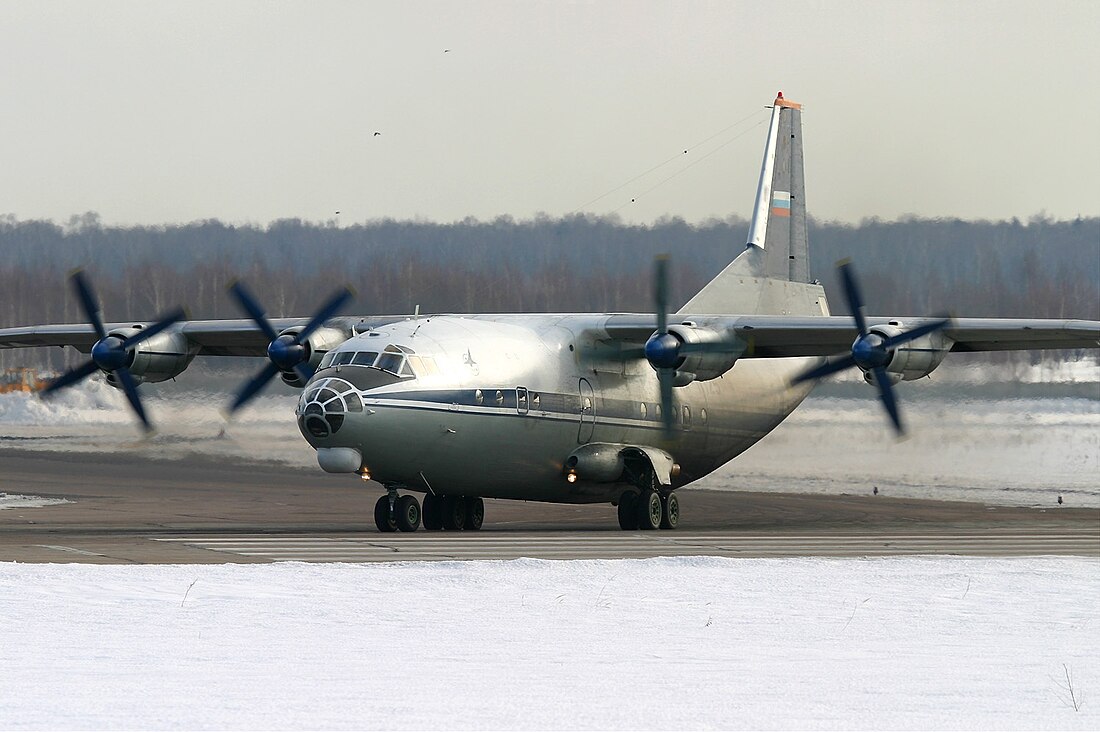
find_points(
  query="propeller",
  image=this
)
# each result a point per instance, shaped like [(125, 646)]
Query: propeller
[(110, 354), (287, 352), (871, 352), (664, 350)]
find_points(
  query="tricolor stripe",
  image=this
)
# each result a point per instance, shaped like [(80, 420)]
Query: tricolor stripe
[(781, 203)]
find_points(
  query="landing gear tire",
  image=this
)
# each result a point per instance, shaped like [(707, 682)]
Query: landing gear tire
[(383, 519), (432, 513), (670, 511), (475, 513), (407, 513), (628, 512), (454, 512), (649, 511)]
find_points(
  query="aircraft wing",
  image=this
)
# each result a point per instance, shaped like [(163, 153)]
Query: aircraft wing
[(209, 337), (777, 336)]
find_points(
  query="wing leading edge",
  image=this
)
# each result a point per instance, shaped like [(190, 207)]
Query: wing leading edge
[(209, 337), (780, 336)]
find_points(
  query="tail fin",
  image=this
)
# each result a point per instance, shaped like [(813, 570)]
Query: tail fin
[(779, 216), (777, 251)]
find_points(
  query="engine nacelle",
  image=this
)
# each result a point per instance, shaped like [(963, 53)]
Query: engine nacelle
[(597, 462), (702, 365), (162, 357), (320, 342), (917, 358)]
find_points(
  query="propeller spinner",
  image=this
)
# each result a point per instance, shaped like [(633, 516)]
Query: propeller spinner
[(287, 352), (870, 351), (110, 354), (665, 350)]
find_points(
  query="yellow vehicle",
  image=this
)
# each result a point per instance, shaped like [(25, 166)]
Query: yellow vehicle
[(21, 379)]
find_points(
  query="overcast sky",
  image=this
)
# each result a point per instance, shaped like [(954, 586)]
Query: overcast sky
[(170, 112)]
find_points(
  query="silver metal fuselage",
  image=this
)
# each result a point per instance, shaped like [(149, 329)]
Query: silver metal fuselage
[(509, 397)]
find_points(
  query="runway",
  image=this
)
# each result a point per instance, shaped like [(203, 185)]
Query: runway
[(126, 509)]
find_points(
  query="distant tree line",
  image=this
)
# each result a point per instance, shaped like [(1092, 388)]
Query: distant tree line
[(1039, 268)]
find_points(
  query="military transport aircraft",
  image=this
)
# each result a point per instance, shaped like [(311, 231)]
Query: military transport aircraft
[(568, 408)]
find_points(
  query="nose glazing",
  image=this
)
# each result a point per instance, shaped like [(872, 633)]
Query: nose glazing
[(324, 406)]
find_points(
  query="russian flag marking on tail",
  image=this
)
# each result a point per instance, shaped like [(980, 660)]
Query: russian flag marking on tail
[(781, 203)]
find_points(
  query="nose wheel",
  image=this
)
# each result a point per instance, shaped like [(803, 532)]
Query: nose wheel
[(397, 513)]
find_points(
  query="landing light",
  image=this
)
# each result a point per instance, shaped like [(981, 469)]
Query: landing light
[(364, 473), (571, 477)]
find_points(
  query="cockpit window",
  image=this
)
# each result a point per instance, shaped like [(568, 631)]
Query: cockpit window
[(391, 362), (392, 359), (423, 365)]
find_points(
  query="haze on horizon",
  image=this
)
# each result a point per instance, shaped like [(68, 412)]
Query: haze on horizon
[(158, 113)]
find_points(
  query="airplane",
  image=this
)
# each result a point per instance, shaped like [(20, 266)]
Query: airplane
[(619, 408)]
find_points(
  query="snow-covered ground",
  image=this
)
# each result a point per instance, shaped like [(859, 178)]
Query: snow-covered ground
[(18, 500), (898, 643)]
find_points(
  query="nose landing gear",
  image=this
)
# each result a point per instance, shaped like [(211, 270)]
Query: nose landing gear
[(397, 513)]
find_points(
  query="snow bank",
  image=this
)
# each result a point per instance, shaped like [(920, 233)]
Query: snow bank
[(17, 500), (664, 643)]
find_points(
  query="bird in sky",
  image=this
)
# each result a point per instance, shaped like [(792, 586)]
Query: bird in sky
[(376, 134)]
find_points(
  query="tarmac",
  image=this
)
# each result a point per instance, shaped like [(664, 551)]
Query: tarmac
[(129, 509)]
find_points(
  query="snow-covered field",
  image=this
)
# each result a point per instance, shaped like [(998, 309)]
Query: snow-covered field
[(899, 643)]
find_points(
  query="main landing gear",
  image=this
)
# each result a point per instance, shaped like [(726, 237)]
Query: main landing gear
[(403, 513), (650, 508)]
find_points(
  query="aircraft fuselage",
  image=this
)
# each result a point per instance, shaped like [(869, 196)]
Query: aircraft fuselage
[(494, 405)]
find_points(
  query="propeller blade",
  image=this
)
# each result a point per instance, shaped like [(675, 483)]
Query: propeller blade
[(89, 303), (660, 288), (330, 308), (305, 371), (915, 333), (252, 307), (852, 294), (665, 378), (130, 388), (70, 377), (886, 393), (254, 387), (831, 366), (167, 321)]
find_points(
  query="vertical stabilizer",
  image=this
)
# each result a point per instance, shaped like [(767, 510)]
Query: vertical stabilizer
[(779, 215), (772, 274)]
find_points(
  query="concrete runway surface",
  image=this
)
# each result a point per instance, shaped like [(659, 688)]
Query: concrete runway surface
[(130, 509)]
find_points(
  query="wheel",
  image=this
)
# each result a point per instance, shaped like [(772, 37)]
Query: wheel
[(628, 511), (454, 512), (407, 513), (649, 510), (475, 513), (670, 515), (432, 513), (383, 519)]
